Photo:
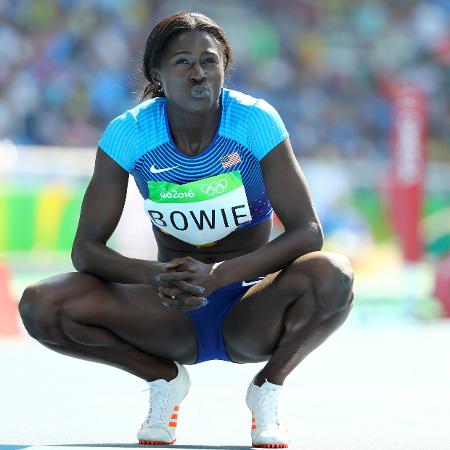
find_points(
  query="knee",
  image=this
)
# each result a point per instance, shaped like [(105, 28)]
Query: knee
[(38, 309), (333, 282), (327, 276), (42, 304)]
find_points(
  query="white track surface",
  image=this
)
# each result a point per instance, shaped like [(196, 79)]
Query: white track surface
[(373, 387)]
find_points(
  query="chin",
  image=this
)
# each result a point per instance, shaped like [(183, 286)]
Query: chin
[(195, 106), (202, 106)]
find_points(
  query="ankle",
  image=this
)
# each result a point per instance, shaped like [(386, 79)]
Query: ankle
[(261, 378), (166, 372)]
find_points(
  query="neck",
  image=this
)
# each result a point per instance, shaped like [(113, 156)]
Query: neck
[(192, 133)]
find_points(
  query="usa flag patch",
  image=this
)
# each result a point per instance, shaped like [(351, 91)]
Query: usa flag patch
[(230, 160)]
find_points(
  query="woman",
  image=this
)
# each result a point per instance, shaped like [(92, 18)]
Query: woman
[(210, 164)]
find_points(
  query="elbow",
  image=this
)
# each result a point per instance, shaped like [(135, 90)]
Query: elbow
[(312, 240), (318, 236), (78, 256)]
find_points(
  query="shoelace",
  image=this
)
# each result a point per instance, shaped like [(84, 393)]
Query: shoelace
[(269, 408), (159, 397)]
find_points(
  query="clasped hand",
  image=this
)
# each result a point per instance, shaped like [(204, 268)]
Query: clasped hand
[(186, 283)]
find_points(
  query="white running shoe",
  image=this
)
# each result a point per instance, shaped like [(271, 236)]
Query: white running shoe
[(165, 397), (268, 428)]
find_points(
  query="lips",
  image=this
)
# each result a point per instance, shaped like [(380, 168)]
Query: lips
[(200, 91)]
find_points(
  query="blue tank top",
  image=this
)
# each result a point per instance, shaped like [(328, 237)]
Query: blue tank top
[(199, 199)]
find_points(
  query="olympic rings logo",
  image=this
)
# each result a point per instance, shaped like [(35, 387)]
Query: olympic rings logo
[(215, 187)]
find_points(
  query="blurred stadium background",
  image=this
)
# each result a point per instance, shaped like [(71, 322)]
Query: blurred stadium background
[(334, 69), (69, 67)]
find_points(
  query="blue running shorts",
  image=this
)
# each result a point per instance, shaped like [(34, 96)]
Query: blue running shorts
[(208, 319)]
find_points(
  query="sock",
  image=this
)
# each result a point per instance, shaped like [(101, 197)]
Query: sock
[(159, 382), (270, 386)]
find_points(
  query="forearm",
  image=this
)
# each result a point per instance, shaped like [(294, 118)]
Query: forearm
[(273, 256), (100, 260)]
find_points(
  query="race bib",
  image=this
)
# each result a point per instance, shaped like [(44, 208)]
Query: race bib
[(200, 212)]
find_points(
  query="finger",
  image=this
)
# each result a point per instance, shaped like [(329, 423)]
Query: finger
[(174, 276), (165, 301), (169, 277), (182, 267), (170, 302), (190, 303), (180, 261), (190, 263), (193, 301), (190, 288), (169, 291), (190, 259), (174, 263)]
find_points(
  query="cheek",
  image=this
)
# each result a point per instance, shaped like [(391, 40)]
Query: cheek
[(219, 71), (216, 78), (174, 85)]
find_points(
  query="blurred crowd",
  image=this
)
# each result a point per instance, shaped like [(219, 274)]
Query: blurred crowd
[(68, 67)]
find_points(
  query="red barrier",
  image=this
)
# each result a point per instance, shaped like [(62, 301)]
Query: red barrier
[(9, 315), (407, 172), (442, 285)]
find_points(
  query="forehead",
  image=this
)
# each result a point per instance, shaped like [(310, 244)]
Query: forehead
[(192, 42)]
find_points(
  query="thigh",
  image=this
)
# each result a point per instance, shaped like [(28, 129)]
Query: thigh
[(133, 313), (255, 324)]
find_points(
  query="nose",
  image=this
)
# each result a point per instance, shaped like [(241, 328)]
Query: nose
[(197, 74)]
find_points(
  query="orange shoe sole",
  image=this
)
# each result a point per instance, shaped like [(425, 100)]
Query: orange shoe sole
[(270, 445), (156, 442)]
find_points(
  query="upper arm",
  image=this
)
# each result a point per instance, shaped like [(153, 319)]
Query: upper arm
[(287, 189), (103, 201)]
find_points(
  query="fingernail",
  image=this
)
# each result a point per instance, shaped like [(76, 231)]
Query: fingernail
[(205, 302), (157, 279), (202, 290)]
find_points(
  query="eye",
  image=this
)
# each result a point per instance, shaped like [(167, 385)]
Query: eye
[(211, 60), (182, 61)]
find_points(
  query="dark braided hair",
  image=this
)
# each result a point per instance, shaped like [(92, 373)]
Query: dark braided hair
[(170, 27)]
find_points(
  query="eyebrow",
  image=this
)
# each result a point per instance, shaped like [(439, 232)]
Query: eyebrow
[(212, 52)]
